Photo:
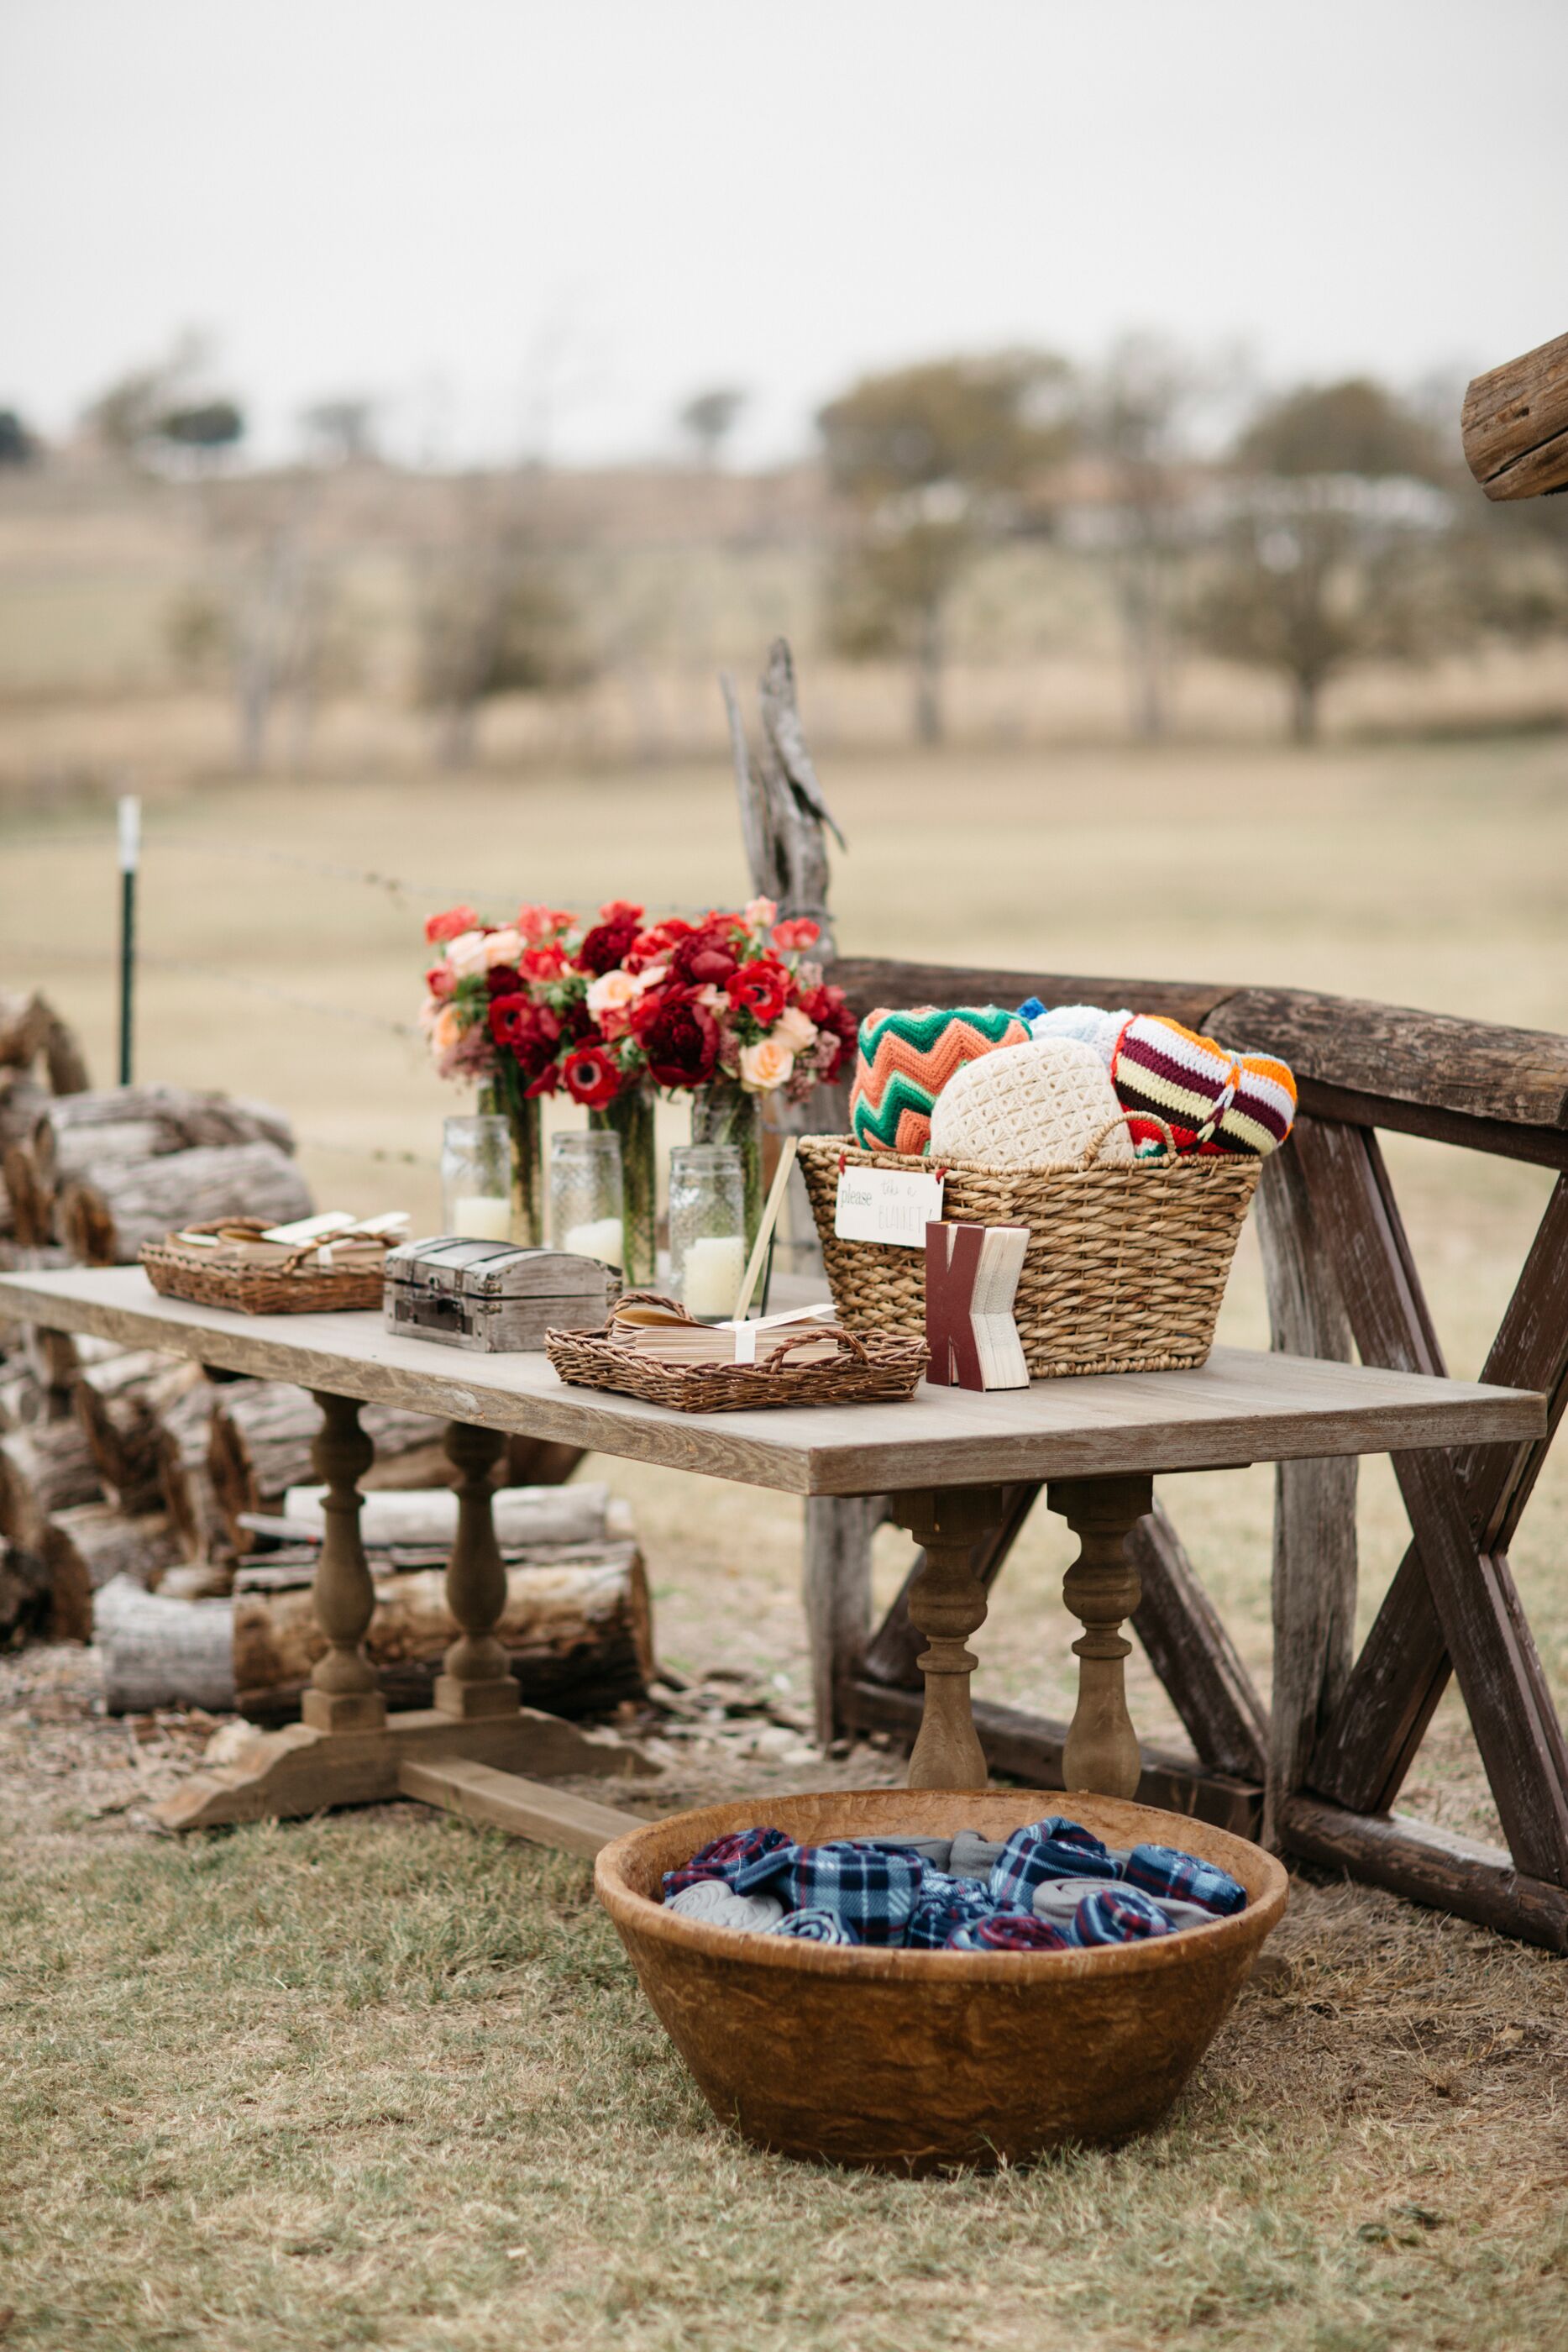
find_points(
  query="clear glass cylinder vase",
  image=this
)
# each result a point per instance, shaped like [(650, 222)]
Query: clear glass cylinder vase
[(631, 1117), (477, 1178), (707, 1238), (587, 1195), (725, 1112)]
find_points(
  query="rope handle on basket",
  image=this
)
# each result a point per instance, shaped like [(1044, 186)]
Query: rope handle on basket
[(1092, 1150), (848, 1344)]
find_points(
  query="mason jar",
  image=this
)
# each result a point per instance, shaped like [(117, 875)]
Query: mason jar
[(707, 1228), (587, 1190), (477, 1178)]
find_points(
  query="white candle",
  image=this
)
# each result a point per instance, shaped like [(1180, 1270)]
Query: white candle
[(482, 1218), (711, 1276), (600, 1237)]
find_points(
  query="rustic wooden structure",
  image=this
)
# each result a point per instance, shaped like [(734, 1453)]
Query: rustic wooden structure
[(1327, 1762), (958, 1460), (1514, 425), (918, 2060)]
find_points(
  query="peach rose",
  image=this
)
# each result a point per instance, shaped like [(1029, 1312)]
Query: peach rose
[(504, 946), (612, 991), (765, 1065), (466, 954), (446, 1030), (793, 1030)]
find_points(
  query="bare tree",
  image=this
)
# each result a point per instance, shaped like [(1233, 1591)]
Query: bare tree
[(708, 419)]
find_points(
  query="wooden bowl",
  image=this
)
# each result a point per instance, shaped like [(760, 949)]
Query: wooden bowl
[(919, 2061)]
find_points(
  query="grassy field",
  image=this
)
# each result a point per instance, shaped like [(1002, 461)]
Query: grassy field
[(380, 2081)]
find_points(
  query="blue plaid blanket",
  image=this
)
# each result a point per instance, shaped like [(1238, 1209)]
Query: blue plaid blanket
[(1008, 1931), (726, 1858), (943, 1905), (1164, 1870), (1054, 1848), (868, 1888), (1119, 1916)]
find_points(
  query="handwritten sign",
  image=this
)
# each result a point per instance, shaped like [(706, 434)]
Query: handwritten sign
[(887, 1204)]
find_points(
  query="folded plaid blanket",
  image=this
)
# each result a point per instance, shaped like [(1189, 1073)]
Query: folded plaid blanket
[(944, 1903), (974, 1856), (725, 1858), (1008, 1931), (1164, 1870), (1118, 1915), (1054, 1848), (870, 1891), (717, 1903), (814, 1928)]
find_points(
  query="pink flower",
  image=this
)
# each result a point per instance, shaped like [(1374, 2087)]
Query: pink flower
[(758, 916), (765, 1065), (448, 925), (466, 954), (801, 932), (537, 924)]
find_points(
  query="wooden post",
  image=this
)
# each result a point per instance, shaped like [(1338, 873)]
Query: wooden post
[(1102, 1589), (947, 1602), (342, 1696), (476, 1679)]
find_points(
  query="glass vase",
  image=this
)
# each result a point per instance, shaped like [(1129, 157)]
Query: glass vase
[(707, 1251), (725, 1112), (504, 1097), (631, 1117)]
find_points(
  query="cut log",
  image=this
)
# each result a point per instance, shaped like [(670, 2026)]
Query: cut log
[(43, 1470), (21, 1399), (30, 1198), (535, 1462), (1514, 425), (120, 1406), (261, 1437), (106, 1220), (64, 1059), (81, 1152), (160, 1652), (83, 1549), (26, 1605), (23, 1102), (524, 1516), (180, 1118), (184, 1479)]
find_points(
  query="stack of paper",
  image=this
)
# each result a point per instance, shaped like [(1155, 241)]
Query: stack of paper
[(666, 1337)]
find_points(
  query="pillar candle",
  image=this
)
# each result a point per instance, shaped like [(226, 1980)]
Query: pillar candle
[(600, 1237), (711, 1278), (481, 1218)]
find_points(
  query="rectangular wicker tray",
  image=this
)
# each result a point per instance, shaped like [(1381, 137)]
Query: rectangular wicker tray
[(878, 1368), (256, 1278)]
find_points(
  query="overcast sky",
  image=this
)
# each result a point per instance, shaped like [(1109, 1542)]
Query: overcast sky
[(517, 222)]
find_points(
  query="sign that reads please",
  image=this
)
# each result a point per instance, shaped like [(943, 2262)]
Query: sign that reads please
[(887, 1204)]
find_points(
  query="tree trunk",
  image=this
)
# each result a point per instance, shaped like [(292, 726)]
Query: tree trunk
[(106, 1219), (85, 1547), (261, 1435), (928, 657), (120, 1406), (43, 1470), (1305, 694)]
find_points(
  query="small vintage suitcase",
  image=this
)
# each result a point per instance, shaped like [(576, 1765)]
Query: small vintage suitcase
[(491, 1297)]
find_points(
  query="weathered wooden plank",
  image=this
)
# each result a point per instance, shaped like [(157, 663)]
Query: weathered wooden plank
[(1514, 424), (1193, 1655), (1510, 1709), (1430, 1866), (1476, 1067), (1028, 1747), (1239, 1407), (839, 1532), (526, 1809), (1367, 1749), (1314, 1585), (872, 981), (1540, 1147)]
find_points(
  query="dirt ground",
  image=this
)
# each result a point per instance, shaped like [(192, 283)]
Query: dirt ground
[(380, 2079)]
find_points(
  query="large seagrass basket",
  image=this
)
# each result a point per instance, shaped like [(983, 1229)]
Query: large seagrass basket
[(1126, 1267)]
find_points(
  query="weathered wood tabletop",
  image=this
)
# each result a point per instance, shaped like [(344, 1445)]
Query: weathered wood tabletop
[(946, 1455)]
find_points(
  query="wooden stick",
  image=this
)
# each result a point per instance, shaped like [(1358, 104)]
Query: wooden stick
[(765, 1230)]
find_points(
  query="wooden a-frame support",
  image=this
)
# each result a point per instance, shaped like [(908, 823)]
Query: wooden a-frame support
[(1320, 1777)]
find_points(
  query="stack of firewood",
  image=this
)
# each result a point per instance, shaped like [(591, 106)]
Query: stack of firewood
[(146, 1500)]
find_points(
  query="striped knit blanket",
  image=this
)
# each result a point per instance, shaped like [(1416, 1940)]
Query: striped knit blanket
[(907, 1057)]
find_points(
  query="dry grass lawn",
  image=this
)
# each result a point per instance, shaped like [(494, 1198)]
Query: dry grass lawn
[(380, 2080)]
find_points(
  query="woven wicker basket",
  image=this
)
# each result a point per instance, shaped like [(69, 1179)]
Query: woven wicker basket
[(1125, 1267), (876, 1369), (257, 1277)]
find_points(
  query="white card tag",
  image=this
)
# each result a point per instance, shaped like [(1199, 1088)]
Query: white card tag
[(887, 1204)]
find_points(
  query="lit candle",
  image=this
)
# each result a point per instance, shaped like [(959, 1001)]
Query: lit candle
[(600, 1237), (482, 1219), (711, 1277)]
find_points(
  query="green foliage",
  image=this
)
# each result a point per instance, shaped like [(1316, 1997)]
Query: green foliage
[(17, 445), (1354, 428), (206, 424), (709, 418)]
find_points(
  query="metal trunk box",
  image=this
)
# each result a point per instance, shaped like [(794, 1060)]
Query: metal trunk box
[(491, 1297)]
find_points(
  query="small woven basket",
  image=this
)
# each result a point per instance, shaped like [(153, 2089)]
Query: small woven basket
[(878, 1369), (284, 1282), (1126, 1267)]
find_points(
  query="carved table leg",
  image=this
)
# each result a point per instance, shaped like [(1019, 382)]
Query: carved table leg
[(476, 1679), (1101, 1588), (946, 1603), (342, 1696)]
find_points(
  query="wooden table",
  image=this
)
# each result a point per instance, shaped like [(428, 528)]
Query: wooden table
[(1095, 1444)]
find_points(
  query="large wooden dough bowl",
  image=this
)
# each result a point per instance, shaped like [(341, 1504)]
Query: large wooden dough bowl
[(917, 2060)]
